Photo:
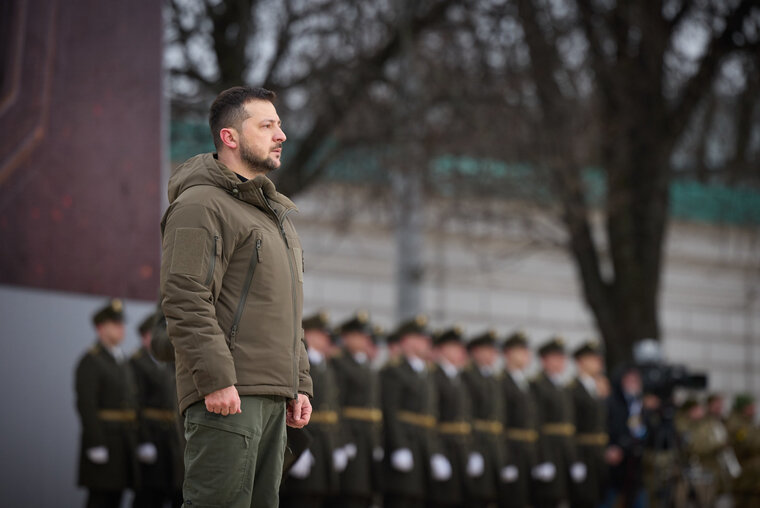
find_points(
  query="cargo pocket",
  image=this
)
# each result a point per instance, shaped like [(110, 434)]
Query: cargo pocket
[(217, 459)]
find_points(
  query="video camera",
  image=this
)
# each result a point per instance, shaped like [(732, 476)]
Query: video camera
[(660, 378)]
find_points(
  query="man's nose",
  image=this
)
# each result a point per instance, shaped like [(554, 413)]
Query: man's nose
[(279, 136)]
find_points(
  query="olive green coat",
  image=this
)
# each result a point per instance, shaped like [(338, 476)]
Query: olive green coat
[(156, 394), (453, 408), (554, 408), (232, 285), (590, 422), (104, 384), (322, 480), (521, 432), (359, 387), (487, 402), (405, 391)]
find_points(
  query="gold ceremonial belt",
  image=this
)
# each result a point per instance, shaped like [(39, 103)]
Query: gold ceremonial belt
[(365, 414), (490, 426), (417, 419), (596, 439), (330, 417), (526, 435), (558, 429), (455, 428), (117, 415), (161, 415)]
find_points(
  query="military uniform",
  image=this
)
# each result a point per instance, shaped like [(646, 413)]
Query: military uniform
[(409, 405), (590, 436), (454, 428), (484, 388), (520, 432), (361, 420), (556, 445), (158, 415), (107, 405), (744, 436), (321, 479)]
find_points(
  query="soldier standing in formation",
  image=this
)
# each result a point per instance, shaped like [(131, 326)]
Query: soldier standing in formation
[(557, 458), (590, 426), (361, 425), (413, 460), (520, 424), (160, 453), (745, 437), (107, 408), (484, 387), (314, 476), (454, 427)]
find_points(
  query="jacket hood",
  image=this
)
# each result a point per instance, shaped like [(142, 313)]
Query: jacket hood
[(205, 169)]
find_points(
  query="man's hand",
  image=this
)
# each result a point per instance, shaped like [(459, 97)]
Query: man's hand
[(299, 412), (224, 402)]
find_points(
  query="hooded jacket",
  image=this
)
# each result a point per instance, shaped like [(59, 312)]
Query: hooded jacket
[(232, 284)]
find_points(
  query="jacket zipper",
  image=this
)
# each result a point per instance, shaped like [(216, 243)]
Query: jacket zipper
[(293, 282), (212, 264), (244, 296)]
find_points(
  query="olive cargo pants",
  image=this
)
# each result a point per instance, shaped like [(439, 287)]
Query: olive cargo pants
[(235, 461)]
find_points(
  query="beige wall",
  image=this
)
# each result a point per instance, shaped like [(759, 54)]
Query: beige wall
[(505, 277)]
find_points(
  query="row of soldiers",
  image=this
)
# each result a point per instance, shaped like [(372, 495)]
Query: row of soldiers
[(439, 425), (131, 431)]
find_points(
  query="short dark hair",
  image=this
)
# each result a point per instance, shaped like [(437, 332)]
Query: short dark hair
[(228, 108)]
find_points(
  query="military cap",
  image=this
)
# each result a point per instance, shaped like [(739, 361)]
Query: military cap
[(147, 324), (590, 347), (378, 332), (318, 321), (487, 338), (689, 404), (555, 344), (713, 397), (516, 339), (114, 311), (417, 324), (453, 334), (359, 322), (743, 400)]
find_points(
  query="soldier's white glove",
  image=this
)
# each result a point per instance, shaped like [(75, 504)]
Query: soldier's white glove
[(440, 467), (350, 449), (97, 454), (509, 474), (340, 459), (402, 460), (302, 467), (378, 453), (147, 453), (475, 465), (545, 472), (578, 472)]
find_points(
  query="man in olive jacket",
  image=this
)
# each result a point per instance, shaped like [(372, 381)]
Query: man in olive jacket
[(232, 286)]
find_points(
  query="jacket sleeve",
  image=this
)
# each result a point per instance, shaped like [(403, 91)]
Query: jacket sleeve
[(87, 384), (160, 345), (305, 384), (187, 280)]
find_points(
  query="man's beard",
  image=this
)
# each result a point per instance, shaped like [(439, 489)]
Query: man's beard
[(254, 163)]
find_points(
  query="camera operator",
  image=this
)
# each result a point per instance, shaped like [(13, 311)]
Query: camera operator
[(628, 431)]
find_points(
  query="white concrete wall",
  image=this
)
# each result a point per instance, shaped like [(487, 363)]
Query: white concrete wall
[(501, 276)]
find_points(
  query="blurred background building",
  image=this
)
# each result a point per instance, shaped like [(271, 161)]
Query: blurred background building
[(507, 164)]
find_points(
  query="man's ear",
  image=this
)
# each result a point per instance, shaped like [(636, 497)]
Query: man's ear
[(229, 137)]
